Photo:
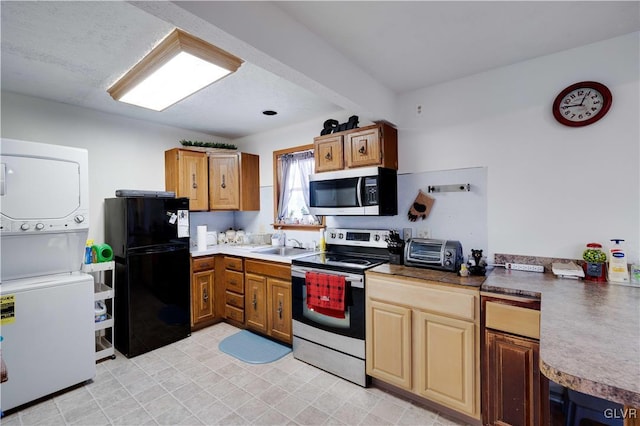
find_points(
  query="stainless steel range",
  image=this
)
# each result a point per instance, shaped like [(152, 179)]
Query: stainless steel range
[(329, 301)]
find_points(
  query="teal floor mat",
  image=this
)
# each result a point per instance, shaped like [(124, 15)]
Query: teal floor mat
[(253, 349)]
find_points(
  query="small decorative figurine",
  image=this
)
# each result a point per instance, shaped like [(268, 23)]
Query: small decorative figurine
[(479, 269)]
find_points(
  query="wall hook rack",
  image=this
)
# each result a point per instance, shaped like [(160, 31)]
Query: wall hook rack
[(458, 187)]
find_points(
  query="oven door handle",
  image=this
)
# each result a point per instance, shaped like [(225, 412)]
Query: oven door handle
[(356, 281)]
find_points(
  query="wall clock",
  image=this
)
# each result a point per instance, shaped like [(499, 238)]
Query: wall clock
[(582, 104)]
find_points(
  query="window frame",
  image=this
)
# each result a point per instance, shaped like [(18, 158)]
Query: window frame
[(276, 191)]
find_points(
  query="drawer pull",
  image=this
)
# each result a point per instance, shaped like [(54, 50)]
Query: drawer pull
[(194, 185), (280, 309), (205, 295), (362, 149), (223, 185), (254, 302)]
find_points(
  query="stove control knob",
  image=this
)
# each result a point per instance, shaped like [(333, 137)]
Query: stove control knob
[(333, 235), (377, 237), (79, 218), (340, 236), (39, 226), (448, 253), (447, 262), (25, 227)]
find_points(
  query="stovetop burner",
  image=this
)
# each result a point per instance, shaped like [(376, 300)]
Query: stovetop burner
[(338, 260)]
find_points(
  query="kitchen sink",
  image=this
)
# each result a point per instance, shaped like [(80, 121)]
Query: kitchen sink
[(283, 251)]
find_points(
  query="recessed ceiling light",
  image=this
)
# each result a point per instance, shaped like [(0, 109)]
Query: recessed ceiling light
[(176, 68), (269, 112)]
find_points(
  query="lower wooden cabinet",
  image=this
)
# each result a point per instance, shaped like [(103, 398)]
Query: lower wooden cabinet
[(268, 299), (514, 390), (423, 337), (202, 291), (446, 352)]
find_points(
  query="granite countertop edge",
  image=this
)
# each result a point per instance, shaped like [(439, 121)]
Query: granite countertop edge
[(589, 332)]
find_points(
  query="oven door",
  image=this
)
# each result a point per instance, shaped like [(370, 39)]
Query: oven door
[(352, 325)]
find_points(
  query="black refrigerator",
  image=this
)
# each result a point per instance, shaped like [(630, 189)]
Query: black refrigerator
[(150, 241)]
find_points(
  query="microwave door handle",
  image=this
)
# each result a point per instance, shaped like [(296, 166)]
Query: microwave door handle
[(3, 179), (359, 191)]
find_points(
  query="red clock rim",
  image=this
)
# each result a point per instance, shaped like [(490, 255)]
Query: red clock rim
[(606, 97)]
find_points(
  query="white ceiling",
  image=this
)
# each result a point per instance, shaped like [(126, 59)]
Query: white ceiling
[(72, 52)]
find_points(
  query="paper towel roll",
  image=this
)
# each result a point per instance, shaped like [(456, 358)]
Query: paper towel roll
[(202, 237)]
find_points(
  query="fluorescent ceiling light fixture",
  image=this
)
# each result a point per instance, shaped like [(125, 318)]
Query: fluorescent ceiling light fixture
[(176, 68)]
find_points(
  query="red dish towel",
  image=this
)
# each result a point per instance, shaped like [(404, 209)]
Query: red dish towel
[(326, 294)]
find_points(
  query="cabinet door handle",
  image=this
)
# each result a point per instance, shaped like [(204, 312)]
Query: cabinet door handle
[(362, 149), (194, 185), (223, 185), (205, 295), (254, 302), (280, 309), (328, 156)]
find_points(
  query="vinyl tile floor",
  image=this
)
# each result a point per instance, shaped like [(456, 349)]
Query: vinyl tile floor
[(191, 382)]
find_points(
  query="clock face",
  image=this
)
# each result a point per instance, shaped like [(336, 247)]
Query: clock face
[(582, 103)]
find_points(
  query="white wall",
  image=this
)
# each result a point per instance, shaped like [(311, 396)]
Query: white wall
[(123, 153), (551, 189)]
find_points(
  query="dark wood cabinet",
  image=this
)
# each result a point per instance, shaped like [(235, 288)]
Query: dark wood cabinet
[(513, 383), (514, 390)]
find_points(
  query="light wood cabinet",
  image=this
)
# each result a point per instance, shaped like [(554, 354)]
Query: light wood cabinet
[(234, 182), (328, 153), (234, 290), (515, 391), (268, 299), (186, 174), (423, 337), (375, 145), (446, 360), (202, 291), (388, 343)]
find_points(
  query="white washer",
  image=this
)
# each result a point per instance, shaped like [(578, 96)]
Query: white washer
[(47, 328)]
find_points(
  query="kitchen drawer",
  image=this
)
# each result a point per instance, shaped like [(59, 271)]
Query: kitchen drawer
[(512, 319), (204, 263), (233, 263), (277, 270), (420, 294), (234, 281), (231, 312), (234, 299)]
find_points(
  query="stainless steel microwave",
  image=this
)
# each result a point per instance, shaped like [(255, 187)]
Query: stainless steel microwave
[(365, 191)]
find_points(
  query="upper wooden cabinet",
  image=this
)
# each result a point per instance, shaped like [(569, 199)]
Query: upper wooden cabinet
[(234, 182), (186, 174), (328, 153), (375, 145)]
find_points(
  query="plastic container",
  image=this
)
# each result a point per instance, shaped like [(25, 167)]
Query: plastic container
[(618, 272), (635, 273), (100, 311), (88, 252), (322, 245)]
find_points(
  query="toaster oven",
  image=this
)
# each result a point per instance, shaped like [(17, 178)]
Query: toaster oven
[(435, 254)]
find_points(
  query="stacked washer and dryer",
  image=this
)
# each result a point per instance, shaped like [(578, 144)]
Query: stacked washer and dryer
[(46, 303)]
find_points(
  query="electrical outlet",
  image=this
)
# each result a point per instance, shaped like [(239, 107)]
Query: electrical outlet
[(406, 234), (424, 233), (524, 267)]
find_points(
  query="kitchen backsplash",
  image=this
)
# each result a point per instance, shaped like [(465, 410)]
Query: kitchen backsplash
[(458, 216)]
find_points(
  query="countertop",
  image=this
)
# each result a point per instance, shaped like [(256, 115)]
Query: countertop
[(248, 251), (589, 332)]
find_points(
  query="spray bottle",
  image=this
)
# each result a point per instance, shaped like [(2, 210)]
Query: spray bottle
[(88, 255), (618, 271)]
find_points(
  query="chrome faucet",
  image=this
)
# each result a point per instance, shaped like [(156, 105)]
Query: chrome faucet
[(298, 243)]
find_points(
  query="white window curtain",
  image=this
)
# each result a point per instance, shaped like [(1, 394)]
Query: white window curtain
[(294, 170)]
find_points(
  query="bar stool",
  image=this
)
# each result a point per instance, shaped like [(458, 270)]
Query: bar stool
[(587, 407)]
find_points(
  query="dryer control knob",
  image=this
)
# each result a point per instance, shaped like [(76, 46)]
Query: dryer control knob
[(25, 226), (79, 218), (39, 226)]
